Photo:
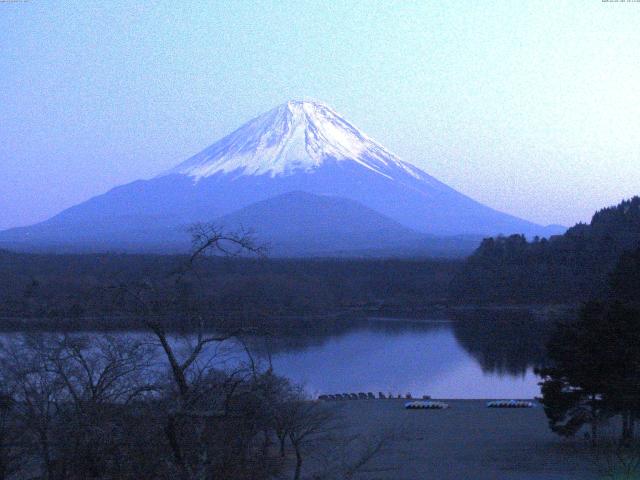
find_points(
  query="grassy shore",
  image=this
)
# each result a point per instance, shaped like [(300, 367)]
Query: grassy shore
[(467, 441)]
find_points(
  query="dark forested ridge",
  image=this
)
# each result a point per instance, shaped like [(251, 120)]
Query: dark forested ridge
[(77, 286), (573, 267), (570, 268)]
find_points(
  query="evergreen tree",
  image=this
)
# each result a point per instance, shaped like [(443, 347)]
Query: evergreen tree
[(594, 370)]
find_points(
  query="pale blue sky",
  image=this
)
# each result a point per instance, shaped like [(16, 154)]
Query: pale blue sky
[(530, 107)]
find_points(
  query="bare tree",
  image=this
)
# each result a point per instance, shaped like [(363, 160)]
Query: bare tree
[(68, 396), (163, 405), (8, 433), (308, 422), (210, 239), (36, 392), (104, 369), (202, 396), (101, 376)]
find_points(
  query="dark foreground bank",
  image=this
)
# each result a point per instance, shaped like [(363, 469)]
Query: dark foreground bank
[(468, 441)]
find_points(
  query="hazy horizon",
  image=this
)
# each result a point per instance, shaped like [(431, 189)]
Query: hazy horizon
[(530, 108)]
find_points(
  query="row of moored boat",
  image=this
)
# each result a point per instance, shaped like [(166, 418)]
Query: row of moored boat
[(367, 396), (433, 405)]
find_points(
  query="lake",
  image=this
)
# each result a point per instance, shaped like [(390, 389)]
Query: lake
[(408, 359), (470, 356)]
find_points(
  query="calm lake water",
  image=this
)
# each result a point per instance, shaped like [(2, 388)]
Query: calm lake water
[(443, 359), (472, 356)]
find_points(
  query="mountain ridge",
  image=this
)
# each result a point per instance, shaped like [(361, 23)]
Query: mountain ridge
[(298, 146), (288, 225)]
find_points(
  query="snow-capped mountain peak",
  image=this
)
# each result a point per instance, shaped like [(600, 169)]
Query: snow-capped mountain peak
[(318, 174), (295, 136)]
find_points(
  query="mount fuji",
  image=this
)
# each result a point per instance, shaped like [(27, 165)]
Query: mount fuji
[(317, 174)]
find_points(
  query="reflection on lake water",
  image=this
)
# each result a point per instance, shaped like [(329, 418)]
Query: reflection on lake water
[(467, 357)]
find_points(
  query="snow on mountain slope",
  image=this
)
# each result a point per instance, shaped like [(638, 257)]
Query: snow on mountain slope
[(296, 147), (295, 136)]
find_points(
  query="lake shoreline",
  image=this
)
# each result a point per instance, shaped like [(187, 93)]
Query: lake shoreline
[(492, 356), (538, 312), (468, 440)]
